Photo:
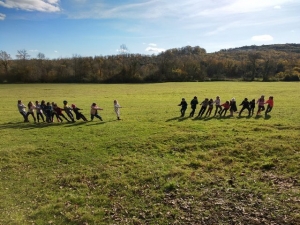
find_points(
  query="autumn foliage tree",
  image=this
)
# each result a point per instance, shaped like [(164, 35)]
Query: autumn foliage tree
[(262, 63)]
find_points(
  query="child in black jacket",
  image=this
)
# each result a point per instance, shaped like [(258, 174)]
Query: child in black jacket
[(246, 105), (252, 107), (183, 105), (78, 114)]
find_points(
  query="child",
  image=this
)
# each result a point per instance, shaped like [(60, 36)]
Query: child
[(54, 113), (117, 108), (233, 107), (68, 110), (22, 111), (43, 106), (218, 105), (78, 114), (94, 112), (203, 108), (31, 108), (48, 111), (245, 105), (270, 103), (194, 104), (59, 113), (251, 107), (39, 111), (183, 105), (226, 106), (210, 107), (260, 102)]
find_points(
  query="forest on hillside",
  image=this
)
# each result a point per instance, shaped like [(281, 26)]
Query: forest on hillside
[(280, 62)]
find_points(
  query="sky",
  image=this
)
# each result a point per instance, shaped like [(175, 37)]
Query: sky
[(67, 28)]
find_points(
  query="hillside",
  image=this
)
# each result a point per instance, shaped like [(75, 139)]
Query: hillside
[(291, 47)]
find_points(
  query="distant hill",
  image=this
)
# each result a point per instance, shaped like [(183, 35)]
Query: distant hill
[(277, 47)]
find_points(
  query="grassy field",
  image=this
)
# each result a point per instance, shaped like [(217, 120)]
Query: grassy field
[(152, 167)]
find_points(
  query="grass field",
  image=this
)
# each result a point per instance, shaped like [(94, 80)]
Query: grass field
[(152, 167)]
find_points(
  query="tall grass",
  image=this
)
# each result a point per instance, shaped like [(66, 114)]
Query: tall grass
[(152, 167)]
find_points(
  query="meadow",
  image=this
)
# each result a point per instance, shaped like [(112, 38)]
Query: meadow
[(152, 167)]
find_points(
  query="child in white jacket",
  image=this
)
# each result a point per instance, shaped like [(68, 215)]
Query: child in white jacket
[(117, 109)]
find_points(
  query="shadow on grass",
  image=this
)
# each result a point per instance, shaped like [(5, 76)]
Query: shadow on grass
[(174, 118), (29, 126), (267, 117), (244, 117), (182, 119), (258, 117), (208, 118), (96, 123)]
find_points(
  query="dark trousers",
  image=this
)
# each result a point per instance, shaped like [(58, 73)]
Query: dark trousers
[(251, 111), (223, 111), (269, 109), (70, 115), (260, 108), (57, 117), (48, 116), (202, 110), (24, 116), (38, 115), (193, 112), (62, 115), (218, 107), (80, 116), (31, 113), (243, 110), (208, 111), (182, 111), (97, 116)]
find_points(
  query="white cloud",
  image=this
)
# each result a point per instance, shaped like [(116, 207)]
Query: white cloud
[(55, 51), (265, 37), (34, 50), (32, 5), (2, 16), (152, 44), (153, 49), (277, 7), (240, 6)]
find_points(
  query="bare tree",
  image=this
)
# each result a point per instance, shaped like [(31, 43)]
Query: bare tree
[(23, 55), (123, 49), (40, 56)]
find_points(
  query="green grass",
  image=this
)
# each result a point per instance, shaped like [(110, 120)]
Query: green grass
[(152, 167)]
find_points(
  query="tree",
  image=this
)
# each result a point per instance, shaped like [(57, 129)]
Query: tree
[(23, 55), (5, 60), (253, 57), (40, 56), (123, 49)]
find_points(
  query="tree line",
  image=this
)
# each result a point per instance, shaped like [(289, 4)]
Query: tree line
[(248, 63)]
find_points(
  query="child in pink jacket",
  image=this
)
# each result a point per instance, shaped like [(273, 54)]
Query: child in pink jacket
[(94, 112)]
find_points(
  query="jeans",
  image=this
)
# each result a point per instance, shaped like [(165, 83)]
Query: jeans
[(24, 116)]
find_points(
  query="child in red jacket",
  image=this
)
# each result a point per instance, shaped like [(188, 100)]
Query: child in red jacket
[(225, 106), (270, 103), (59, 113)]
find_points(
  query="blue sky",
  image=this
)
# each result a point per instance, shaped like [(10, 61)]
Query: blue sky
[(63, 28)]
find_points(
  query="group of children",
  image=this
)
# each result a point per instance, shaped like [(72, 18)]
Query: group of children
[(45, 112), (222, 108)]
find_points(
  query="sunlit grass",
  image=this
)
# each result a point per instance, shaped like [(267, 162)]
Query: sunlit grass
[(152, 167)]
